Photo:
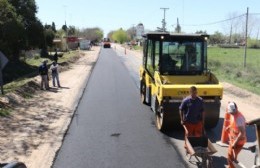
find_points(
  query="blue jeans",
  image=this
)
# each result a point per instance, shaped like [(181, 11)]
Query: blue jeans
[(55, 76), (44, 81)]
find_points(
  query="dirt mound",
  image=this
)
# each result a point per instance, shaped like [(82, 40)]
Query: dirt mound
[(28, 89)]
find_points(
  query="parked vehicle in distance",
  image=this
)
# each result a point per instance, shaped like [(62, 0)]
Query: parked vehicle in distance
[(85, 44), (106, 43)]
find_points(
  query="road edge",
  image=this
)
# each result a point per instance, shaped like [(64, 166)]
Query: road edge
[(75, 109)]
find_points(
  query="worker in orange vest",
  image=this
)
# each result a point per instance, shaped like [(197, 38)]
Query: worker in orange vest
[(237, 133)]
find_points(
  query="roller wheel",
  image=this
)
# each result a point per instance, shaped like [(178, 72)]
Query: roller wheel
[(143, 92), (161, 121), (212, 124), (212, 114)]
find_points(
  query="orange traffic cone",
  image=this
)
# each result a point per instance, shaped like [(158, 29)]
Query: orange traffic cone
[(225, 133)]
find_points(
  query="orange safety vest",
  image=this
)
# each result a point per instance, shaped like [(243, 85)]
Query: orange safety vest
[(235, 131)]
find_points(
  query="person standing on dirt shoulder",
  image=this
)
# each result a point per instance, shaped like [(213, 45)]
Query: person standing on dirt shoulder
[(55, 56), (237, 133), (43, 71), (55, 73), (192, 113)]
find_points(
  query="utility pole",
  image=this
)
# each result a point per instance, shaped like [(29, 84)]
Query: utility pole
[(257, 34), (134, 32), (178, 28), (66, 31), (163, 21), (230, 35), (246, 37)]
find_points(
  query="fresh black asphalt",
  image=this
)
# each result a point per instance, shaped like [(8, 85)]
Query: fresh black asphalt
[(111, 128)]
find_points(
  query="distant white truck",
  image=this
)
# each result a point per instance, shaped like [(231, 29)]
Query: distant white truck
[(85, 44)]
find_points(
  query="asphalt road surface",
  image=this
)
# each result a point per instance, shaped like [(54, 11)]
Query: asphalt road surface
[(132, 62), (112, 129)]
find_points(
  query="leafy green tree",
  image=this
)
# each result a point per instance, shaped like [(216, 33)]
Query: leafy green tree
[(94, 34), (36, 34), (65, 28), (71, 31), (48, 36), (253, 43), (60, 33), (12, 33), (237, 38), (201, 32), (217, 38), (99, 35), (26, 10), (110, 34), (120, 36), (14, 36), (46, 26), (131, 32), (53, 26)]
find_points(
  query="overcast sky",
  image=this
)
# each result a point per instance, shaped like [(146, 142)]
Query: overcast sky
[(113, 14)]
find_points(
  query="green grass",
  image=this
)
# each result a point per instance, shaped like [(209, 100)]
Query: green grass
[(64, 58), (4, 112), (228, 65), (15, 84), (137, 47)]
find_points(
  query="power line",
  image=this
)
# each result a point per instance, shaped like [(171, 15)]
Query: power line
[(254, 13), (212, 23)]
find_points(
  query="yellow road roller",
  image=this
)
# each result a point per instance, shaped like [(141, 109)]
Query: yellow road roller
[(172, 63), (256, 123)]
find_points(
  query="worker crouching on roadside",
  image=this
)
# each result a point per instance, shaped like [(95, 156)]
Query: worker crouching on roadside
[(192, 113), (237, 133)]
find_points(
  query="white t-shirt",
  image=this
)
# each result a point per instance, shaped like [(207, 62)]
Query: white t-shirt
[(54, 68), (240, 122)]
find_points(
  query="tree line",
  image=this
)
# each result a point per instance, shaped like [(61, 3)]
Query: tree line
[(20, 29), (217, 38), (122, 36)]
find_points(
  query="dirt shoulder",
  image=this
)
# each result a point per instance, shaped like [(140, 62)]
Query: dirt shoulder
[(248, 102), (34, 131)]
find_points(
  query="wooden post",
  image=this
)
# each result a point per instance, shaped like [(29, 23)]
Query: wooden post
[(246, 38)]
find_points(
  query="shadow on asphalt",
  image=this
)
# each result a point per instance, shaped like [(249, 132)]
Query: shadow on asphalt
[(219, 162)]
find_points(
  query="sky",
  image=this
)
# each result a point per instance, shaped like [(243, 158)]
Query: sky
[(114, 14)]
